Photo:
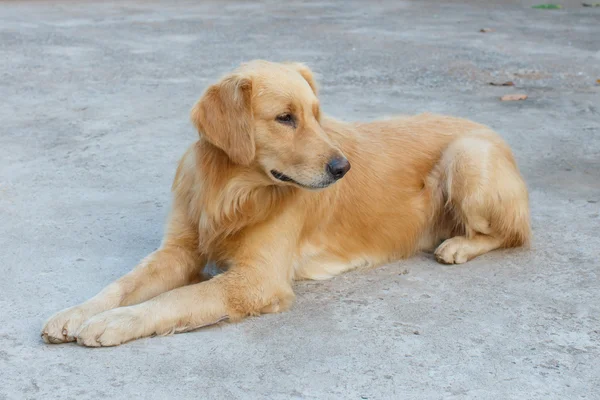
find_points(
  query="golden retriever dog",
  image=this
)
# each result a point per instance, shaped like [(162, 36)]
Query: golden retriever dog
[(273, 191)]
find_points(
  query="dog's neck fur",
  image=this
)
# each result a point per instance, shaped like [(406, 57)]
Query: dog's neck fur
[(232, 198)]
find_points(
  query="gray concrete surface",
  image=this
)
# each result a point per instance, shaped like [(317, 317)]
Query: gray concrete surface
[(94, 115)]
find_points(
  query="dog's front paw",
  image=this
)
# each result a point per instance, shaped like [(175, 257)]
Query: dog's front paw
[(63, 325), (111, 328)]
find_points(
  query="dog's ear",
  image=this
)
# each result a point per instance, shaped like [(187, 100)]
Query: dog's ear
[(306, 74), (223, 115)]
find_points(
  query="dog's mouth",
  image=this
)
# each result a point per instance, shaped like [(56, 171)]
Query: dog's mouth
[(284, 178)]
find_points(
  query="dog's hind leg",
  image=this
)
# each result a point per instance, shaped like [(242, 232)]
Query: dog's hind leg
[(485, 198)]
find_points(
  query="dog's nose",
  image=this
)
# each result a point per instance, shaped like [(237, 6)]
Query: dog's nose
[(338, 167)]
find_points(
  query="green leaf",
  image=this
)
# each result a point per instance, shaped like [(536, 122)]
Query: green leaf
[(548, 6)]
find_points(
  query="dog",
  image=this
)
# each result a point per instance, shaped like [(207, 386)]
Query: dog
[(273, 191)]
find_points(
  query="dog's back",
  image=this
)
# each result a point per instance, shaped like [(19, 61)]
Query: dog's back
[(398, 198)]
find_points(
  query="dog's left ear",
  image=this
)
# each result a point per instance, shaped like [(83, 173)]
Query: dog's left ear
[(306, 74), (223, 115)]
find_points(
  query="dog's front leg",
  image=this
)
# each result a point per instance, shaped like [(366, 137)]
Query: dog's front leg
[(176, 263), (243, 290), (258, 281)]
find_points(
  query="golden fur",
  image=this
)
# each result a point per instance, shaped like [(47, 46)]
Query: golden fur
[(254, 194)]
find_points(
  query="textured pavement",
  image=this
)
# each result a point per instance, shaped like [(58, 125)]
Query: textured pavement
[(94, 114)]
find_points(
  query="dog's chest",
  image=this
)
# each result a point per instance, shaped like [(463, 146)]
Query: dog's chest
[(315, 262)]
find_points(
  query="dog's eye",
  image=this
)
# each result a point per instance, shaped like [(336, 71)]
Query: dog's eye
[(287, 119)]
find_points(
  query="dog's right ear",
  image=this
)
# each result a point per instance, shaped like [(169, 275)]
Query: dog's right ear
[(307, 74), (223, 115)]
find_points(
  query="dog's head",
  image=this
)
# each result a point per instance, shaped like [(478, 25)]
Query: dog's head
[(267, 114)]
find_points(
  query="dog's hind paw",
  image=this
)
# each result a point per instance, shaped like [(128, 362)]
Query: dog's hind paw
[(453, 251)]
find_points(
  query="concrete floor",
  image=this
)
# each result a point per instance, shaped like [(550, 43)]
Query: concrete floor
[(94, 115)]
